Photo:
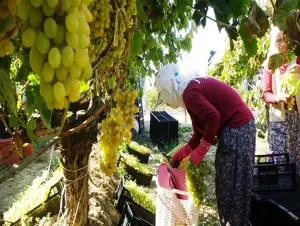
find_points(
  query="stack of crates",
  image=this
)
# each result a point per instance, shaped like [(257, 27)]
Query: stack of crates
[(163, 128)]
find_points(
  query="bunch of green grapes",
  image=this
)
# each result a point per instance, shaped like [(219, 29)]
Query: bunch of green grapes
[(195, 179), (58, 35), (8, 10), (290, 84), (101, 17), (125, 101), (139, 148), (135, 163), (118, 39), (140, 195), (116, 128)]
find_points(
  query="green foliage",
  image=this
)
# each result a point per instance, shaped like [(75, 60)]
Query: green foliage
[(151, 97), (5, 23), (7, 91), (136, 41), (36, 102), (161, 35), (237, 67)]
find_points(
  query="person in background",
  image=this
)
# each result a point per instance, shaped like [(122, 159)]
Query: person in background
[(284, 126), (215, 110)]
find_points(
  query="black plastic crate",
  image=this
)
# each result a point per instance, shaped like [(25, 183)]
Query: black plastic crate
[(135, 215), (281, 215), (144, 158), (122, 195), (140, 178), (268, 177), (163, 128), (272, 159)]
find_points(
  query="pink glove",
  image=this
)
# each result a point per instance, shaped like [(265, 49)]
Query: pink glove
[(181, 154), (197, 155)]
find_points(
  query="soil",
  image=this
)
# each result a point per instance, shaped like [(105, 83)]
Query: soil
[(13, 186)]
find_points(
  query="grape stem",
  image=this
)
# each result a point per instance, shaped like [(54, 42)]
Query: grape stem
[(5, 125), (44, 132), (102, 57), (10, 33), (273, 4), (97, 48)]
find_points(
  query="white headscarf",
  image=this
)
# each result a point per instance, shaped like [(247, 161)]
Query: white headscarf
[(170, 85), (272, 48)]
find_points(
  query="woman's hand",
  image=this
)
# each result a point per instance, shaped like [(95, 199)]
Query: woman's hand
[(294, 69), (197, 155), (282, 97), (181, 154)]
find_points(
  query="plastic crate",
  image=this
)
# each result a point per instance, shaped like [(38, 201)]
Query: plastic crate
[(122, 195), (281, 215), (140, 178), (272, 159), (163, 128), (135, 215), (267, 177), (144, 158)]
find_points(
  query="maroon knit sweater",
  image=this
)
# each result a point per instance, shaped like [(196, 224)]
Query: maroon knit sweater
[(213, 106)]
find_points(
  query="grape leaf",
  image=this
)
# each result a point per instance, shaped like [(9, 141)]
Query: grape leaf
[(232, 32), (186, 44), (24, 69), (199, 15), (275, 61), (5, 23), (31, 123), (13, 121), (37, 102), (181, 6), (7, 91), (30, 133), (284, 10), (258, 22), (250, 44), (30, 126), (136, 43), (140, 10), (112, 83)]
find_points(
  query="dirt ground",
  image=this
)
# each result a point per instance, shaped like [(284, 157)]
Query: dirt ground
[(12, 187)]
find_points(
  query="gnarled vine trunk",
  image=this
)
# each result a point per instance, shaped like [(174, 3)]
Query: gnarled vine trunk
[(75, 154)]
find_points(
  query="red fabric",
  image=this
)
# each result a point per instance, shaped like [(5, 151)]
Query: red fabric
[(213, 105), (268, 95), (198, 154)]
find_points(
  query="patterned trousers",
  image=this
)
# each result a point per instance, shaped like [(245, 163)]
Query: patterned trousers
[(285, 137), (234, 169)]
